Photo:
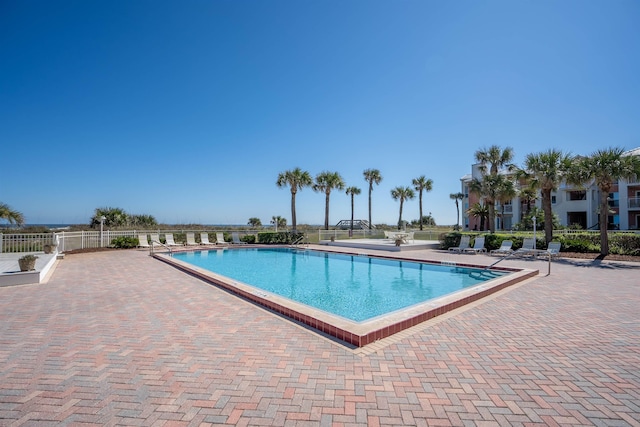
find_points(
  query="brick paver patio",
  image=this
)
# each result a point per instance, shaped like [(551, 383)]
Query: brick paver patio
[(119, 338)]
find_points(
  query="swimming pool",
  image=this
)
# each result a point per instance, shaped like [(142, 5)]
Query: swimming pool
[(356, 333), (358, 288)]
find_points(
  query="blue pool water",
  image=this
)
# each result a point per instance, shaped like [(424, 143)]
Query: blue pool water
[(354, 287)]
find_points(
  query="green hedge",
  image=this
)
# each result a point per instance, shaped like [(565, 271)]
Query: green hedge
[(279, 238), (125, 242), (620, 243)]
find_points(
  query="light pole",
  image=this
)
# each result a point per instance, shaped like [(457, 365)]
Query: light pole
[(102, 219), (534, 232)]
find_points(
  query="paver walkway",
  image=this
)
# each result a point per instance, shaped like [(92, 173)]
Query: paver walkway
[(118, 338)]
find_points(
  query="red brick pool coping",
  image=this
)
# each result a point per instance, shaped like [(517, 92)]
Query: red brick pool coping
[(358, 334)]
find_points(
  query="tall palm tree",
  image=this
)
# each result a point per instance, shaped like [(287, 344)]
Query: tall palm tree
[(352, 191), (489, 189), (506, 192), (325, 182), (492, 160), (457, 197), (422, 184), (496, 158), (296, 179), (606, 167), (545, 171), (372, 176), (528, 195), (11, 215), (402, 194), (479, 210)]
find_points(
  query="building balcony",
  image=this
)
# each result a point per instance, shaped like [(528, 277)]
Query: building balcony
[(634, 203)]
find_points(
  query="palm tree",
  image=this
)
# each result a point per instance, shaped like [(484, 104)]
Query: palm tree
[(506, 192), (528, 195), (402, 194), (372, 176), (325, 182), (545, 171), (13, 216), (296, 179), (489, 189), (422, 184), (352, 191), (278, 221), (491, 160), (457, 197), (255, 222), (606, 167), (481, 211), (496, 158), (113, 217)]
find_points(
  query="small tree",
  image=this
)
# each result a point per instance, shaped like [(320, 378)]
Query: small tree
[(254, 222), (402, 194), (372, 176), (457, 197), (325, 182), (296, 179), (352, 191), (422, 184)]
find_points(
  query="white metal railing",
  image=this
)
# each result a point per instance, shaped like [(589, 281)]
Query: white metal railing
[(427, 234), (634, 202), (28, 242)]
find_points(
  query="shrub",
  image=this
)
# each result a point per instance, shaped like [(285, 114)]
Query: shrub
[(279, 238), (248, 238), (125, 242)]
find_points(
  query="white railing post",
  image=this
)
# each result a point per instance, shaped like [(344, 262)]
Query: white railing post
[(0, 243)]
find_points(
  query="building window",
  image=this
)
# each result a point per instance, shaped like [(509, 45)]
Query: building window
[(576, 195), (553, 200)]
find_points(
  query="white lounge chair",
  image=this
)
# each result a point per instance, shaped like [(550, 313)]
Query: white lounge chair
[(191, 240), (504, 249), (553, 250), (235, 239), (478, 246), (464, 244), (155, 238), (204, 239), (169, 240), (220, 239), (527, 247), (142, 241)]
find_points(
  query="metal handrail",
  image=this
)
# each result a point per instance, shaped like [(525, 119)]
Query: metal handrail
[(153, 242), (300, 241)]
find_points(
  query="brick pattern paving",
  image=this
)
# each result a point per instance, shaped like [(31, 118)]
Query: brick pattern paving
[(121, 339)]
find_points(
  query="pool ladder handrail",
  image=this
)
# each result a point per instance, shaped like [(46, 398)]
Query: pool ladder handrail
[(154, 242), (514, 253), (302, 240)]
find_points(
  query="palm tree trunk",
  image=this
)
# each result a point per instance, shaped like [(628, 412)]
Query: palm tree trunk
[(293, 211), (457, 215), (326, 212), (492, 215), (370, 206), (351, 214), (400, 217), (420, 210), (548, 215), (604, 235)]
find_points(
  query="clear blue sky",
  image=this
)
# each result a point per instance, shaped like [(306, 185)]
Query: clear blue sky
[(189, 110)]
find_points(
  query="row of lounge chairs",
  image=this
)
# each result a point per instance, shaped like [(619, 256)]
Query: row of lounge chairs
[(191, 240), (505, 248)]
